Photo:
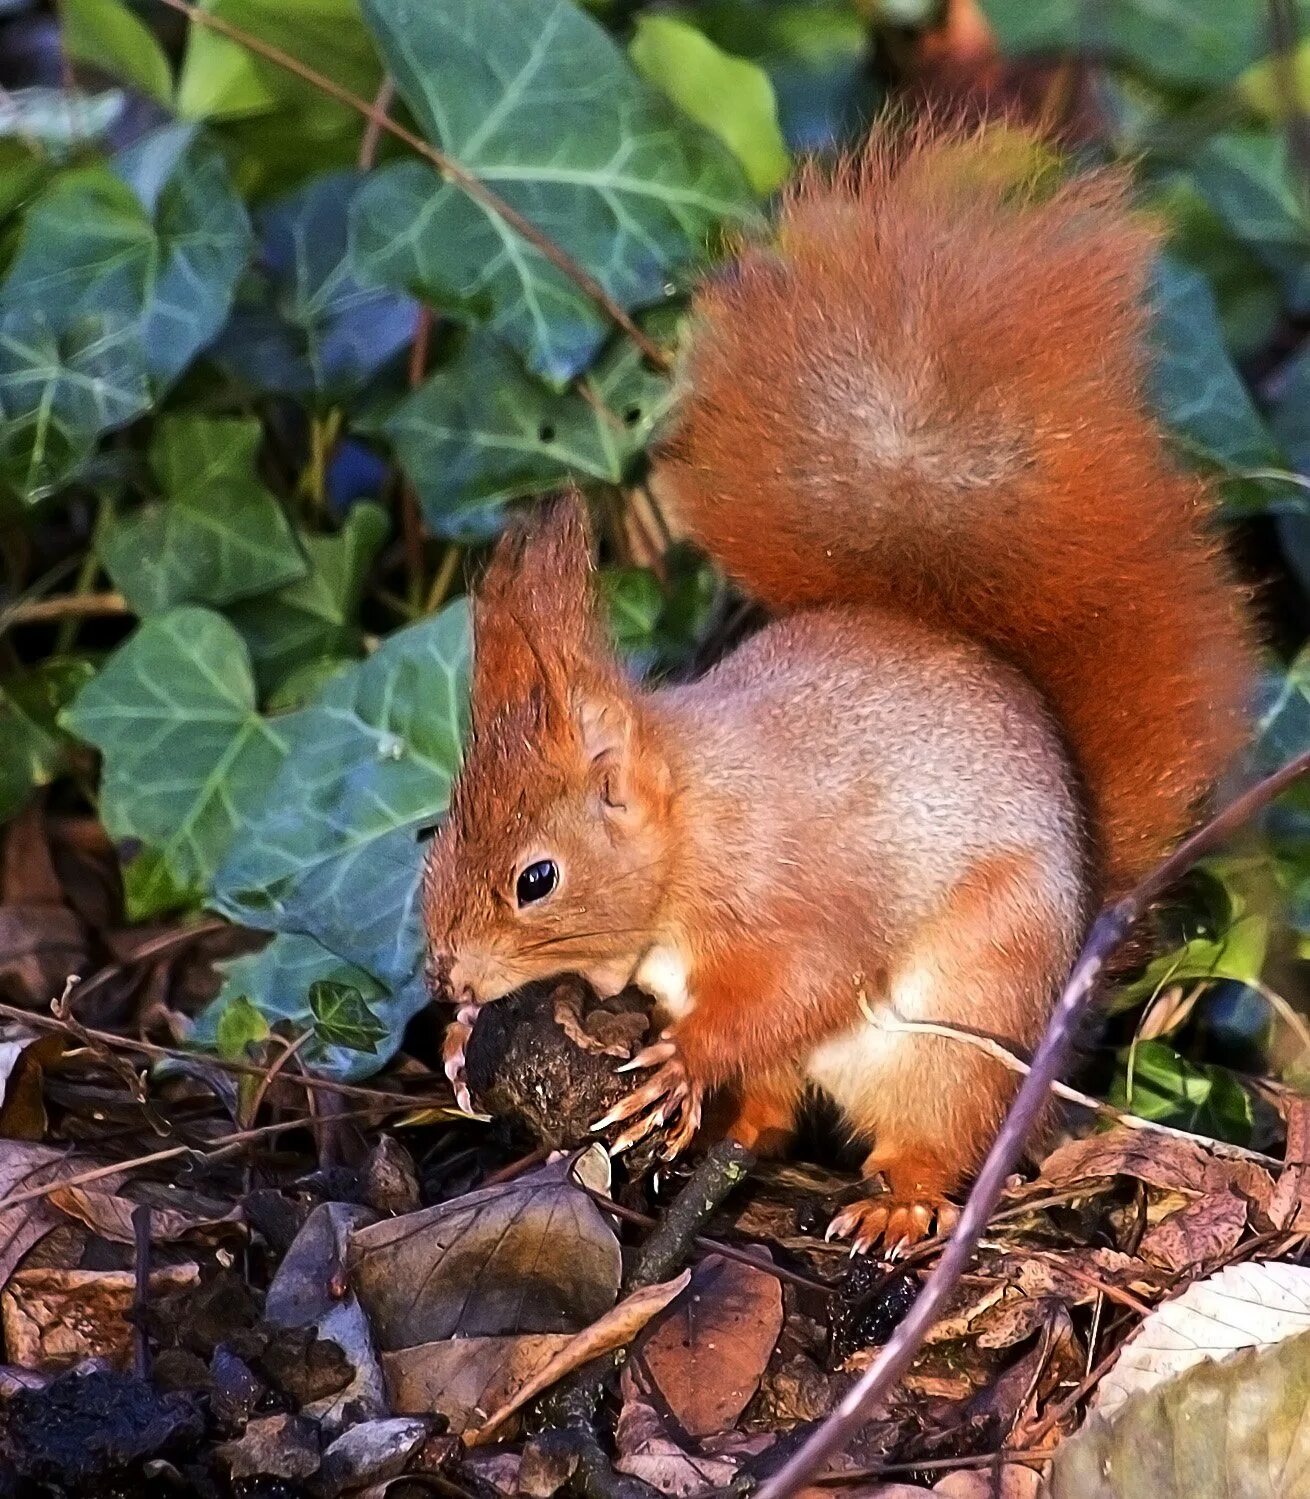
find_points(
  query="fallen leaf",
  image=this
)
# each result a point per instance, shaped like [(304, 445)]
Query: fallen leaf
[(465, 1379), (24, 1056), (1204, 1232), (646, 1450), (1236, 1426), (547, 1465), (56, 1318), (111, 1216), (371, 1452), (705, 1356), (281, 1446), (614, 1330), (535, 1255), (309, 1291), (22, 1167), (1010, 1481), (1243, 1306)]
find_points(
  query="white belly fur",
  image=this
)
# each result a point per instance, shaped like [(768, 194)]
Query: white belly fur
[(663, 973), (843, 1064)]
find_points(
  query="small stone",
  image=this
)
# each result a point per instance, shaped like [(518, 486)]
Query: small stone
[(371, 1452)]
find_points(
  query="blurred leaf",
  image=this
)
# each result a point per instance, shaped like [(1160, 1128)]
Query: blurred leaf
[(1203, 43), (481, 428), (158, 243), (240, 1027), (187, 758), (1291, 413), (1195, 387), (1237, 953), (218, 535), (277, 981), (63, 383), (33, 748), (341, 1018), (332, 852), (634, 602), (619, 181), (314, 619), (304, 325), (1258, 191), (1154, 1082), (282, 129), (59, 119), (1235, 1427), (727, 95), (108, 35), (1274, 92)]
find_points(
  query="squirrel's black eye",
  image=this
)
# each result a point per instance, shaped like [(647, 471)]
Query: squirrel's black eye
[(537, 881)]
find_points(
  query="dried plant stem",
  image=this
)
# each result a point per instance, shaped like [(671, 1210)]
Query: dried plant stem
[(66, 606), (995, 1050), (448, 167), (382, 102), (1107, 933)]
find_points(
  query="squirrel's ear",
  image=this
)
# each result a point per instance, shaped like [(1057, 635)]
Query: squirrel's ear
[(630, 781), (533, 613)]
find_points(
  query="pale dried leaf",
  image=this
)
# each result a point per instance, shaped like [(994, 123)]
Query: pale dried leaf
[(111, 1216), (705, 1356), (1233, 1427), (646, 1450), (1204, 1232), (534, 1255), (1243, 1306), (1012, 1481), (22, 1167), (615, 1329), (1289, 1208), (465, 1379)]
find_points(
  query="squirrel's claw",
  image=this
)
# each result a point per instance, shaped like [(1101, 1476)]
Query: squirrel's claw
[(898, 1223), (654, 1055), (452, 1055), (670, 1097)]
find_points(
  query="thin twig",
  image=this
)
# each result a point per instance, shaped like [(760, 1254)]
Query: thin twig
[(140, 1289), (160, 1053), (1057, 1413), (66, 606), (289, 1050), (411, 515), (1107, 933), (382, 102), (995, 1050), (447, 166), (221, 1146)]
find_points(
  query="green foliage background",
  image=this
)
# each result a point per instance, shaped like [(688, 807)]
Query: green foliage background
[(269, 377)]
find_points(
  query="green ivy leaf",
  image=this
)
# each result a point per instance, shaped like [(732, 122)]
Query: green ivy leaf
[(62, 384), (304, 325), (157, 243), (1188, 42), (1196, 389), (217, 536), (482, 429), (341, 1018), (33, 749), (108, 36), (332, 852), (239, 1027), (187, 759), (618, 181), (277, 981), (1154, 1082)]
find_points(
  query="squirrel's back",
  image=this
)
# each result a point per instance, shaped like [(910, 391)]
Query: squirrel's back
[(926, 394)]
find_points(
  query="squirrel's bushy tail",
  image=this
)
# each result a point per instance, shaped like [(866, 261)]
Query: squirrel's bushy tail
[(925, 394)]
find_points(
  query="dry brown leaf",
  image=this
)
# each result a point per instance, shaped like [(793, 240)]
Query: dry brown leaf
[(465, 1379), (1242, 1306), (534, 1255), (614, 1330), (24, 1056), (111, 1216), (1204, 1232), (1011, 1481), (55, 1318), (22, 1167), (705, 1356), (646, 1450)]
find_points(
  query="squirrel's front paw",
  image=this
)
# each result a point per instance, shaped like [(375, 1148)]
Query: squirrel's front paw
[(452, 1054), (670, 1100), (898, 1221)]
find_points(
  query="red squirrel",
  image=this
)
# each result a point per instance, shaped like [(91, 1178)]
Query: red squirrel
[(1007, 659)]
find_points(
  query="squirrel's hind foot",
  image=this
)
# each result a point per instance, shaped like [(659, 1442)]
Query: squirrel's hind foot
[(899, 1222), (670, 1101)]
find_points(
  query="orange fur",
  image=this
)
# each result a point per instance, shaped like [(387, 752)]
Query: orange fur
[(1008, 663)]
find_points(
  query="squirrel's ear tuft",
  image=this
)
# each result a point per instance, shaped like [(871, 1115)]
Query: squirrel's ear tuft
[(534, 612)]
